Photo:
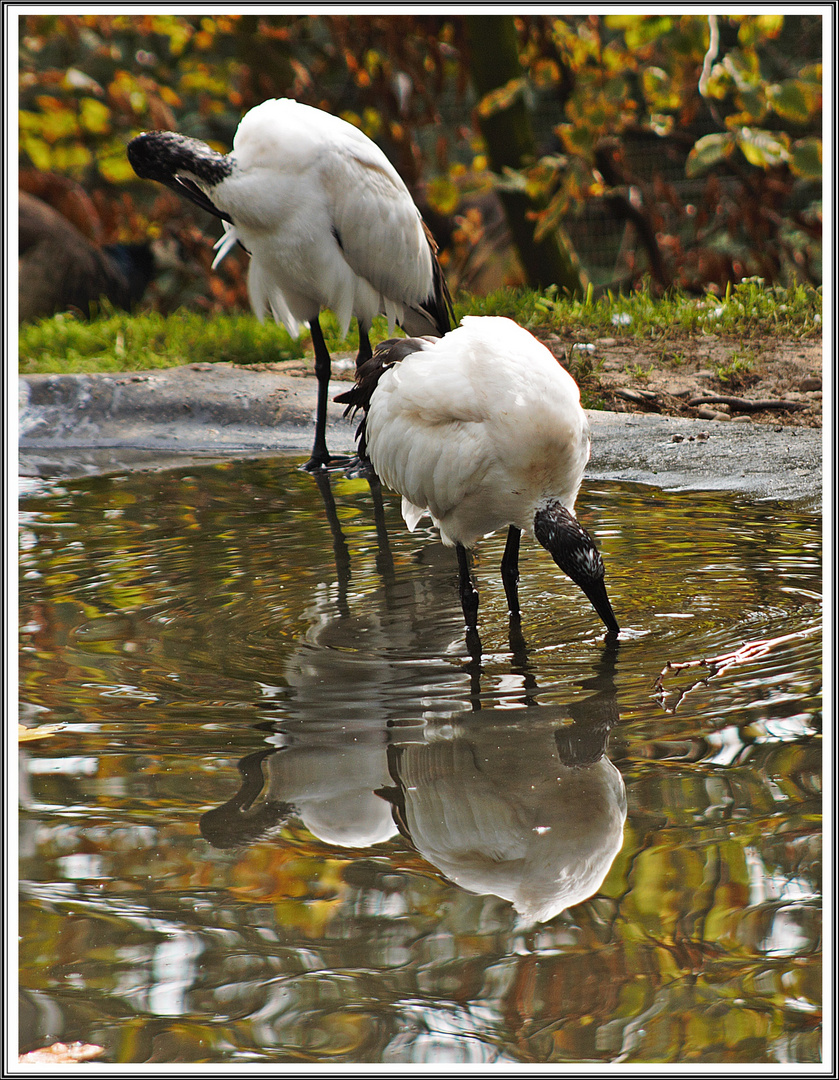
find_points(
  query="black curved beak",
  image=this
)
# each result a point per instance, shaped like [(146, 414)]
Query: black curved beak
[(164, 155), (596, 592)]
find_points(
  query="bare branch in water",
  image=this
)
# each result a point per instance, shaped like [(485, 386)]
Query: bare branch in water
[(717, 665)]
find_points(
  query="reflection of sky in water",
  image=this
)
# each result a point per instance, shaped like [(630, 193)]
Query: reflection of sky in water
[(205, 652)]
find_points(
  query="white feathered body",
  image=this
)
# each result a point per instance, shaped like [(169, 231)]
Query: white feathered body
[(478, 429), (326, 218)]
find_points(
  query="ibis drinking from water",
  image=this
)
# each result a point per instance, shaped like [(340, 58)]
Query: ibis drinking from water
[(327, 221), (483, 429)]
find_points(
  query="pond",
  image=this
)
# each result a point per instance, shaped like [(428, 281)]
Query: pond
[(282, 814)]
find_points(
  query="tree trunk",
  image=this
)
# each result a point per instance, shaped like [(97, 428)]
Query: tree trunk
[(508, 134)]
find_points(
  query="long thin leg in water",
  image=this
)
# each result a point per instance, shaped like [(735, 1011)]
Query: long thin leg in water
[(468, 592), (510, 569), (339, 543), (384, 557), (360, 464), (321, 458)]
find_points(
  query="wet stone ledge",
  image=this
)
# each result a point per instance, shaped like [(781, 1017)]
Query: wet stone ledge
[(104, 422)]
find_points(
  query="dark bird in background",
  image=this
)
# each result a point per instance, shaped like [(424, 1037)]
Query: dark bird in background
[(60, 269), (327, 222)]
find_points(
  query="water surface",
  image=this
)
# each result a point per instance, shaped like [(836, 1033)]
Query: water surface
[(289, 817)]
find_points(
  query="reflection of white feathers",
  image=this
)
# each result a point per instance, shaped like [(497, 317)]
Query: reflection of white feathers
[(340, 699), (542, 835), (331, 784)]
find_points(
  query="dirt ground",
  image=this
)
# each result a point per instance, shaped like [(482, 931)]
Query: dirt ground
[(759, 380), (708, 378)]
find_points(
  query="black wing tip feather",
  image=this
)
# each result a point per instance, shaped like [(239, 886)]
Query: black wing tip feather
[(439, 304), (385, 355)]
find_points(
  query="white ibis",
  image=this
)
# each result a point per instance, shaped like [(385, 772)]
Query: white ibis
[(483, 429), (326, 218)]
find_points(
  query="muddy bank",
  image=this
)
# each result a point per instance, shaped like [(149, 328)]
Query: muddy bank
[(72, 424)]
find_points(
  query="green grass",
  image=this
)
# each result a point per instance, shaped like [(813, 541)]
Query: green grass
[(736, 366), (122, 342), (749, 307)]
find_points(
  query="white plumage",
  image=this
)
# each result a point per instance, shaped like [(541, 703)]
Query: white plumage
[(326, 218), (477, 428), (483, 429)]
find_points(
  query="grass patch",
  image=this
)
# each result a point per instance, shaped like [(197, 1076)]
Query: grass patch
[(747, 308), (736, 369), (122, 342)]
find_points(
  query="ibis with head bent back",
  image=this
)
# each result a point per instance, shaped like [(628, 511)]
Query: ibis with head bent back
[(483, 429), (327, 221)]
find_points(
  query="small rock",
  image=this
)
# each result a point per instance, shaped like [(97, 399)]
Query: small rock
[(701, 436), (677, 438), (810, 383)]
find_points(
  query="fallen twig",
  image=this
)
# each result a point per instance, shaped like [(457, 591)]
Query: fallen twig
[(647, 398), (717, 665), (746, 404)]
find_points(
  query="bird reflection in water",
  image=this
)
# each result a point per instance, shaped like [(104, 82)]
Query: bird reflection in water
[(515, 806), (520, 802)]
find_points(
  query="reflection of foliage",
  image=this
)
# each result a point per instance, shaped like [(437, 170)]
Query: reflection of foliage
[(694, 143), (162, 615)]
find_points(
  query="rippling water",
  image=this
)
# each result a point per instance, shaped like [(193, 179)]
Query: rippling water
[(287, 816)]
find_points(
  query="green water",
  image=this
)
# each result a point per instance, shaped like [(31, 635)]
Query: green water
[(288, 817)]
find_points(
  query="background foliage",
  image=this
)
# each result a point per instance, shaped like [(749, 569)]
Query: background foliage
[(668, 150)]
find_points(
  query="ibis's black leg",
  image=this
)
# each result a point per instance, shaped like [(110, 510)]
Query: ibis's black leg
[(384, 557), (339, 543), (360, 464), (510, 569), (468, 592), (365, 350), (521, 662), (321, 458)]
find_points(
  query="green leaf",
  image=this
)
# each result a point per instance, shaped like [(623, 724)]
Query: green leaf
[(708, 151), (443, 195), (755, 28), (762, 148), (94, 116), (806, 158), (791, 100)]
